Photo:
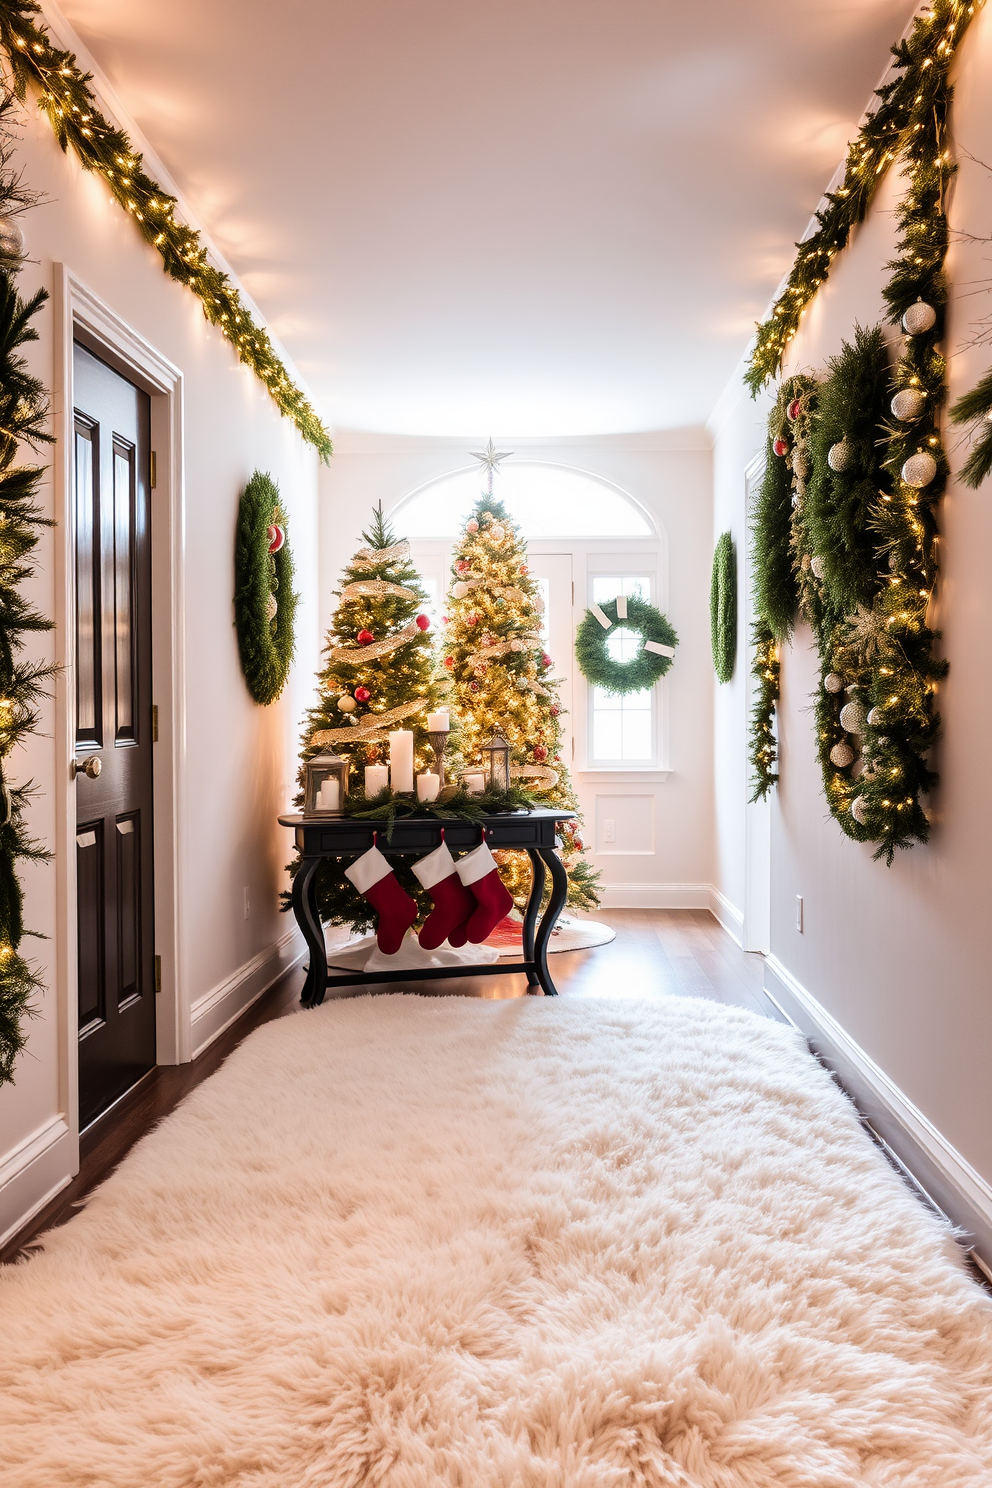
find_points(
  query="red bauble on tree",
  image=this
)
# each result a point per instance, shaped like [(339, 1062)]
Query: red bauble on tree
[(424, 622), (780, 446), (546, 659), (277, 537), (364, 637), (362, 694), (449, 661), (539, 752), (793, 410)]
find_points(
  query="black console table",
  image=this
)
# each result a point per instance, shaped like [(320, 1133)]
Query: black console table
[(346, 837)]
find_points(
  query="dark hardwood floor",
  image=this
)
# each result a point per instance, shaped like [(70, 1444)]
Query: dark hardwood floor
[(657, 953)]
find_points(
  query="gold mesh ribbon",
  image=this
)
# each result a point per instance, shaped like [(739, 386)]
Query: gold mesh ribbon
[(376, 648), (372, 557), (376, 589), (542, 776), (373, 728)]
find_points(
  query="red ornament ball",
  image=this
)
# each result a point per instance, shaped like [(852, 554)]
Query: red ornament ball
[(554, 710), (362, 694), (449, 661), (523, 568), (462, 565), (277, 537), (578, 843), (793, 409), (423, 621), (473, 687), (472, 619), (547, 659), (780, 446), (364, 637), (540, 753)]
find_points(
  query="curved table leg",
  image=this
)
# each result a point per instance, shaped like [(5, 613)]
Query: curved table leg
[(559, 891), (531, 911), (308, 919)]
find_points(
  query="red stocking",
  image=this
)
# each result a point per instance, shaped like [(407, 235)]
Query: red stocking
[(478, 872), (376, 882), (453, 904)]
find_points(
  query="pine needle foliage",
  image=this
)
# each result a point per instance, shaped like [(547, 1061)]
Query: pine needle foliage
[(763, 744), (723, 607), (775, 585), (975, 407), (911, 107), (23, 419), (265, 645), (67, 100), (841, 505)]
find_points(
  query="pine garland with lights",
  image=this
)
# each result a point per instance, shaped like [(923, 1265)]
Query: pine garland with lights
[(911, 108), (765, 669), (67, 100), (503, 683), (23, 419)]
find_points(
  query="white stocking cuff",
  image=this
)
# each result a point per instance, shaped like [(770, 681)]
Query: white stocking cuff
[(368, 870), (476, 864), (437, 866)]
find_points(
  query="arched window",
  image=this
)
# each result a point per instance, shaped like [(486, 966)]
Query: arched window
[(546, 501)]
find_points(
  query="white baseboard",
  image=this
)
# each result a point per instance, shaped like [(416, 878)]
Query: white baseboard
[(32, 1173), (728, 915), (945, 1176), (655, 896), (218, 1008)]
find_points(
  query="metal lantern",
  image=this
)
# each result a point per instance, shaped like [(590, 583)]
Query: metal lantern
[(325, 785), (496, 759)]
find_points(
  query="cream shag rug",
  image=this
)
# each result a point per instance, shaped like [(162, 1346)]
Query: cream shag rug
[(408, 1242)]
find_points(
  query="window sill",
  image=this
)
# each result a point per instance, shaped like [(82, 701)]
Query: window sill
[(614, 772)]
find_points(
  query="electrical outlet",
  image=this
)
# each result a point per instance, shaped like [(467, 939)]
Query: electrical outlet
[(247, 901), (609, 830), (799, 913)]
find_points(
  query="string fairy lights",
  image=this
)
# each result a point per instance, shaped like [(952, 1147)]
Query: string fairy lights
[(65, 96)]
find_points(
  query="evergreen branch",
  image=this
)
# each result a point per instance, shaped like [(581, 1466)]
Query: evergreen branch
[(66, 98)]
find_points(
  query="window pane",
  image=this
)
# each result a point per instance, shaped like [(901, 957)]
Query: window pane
[(607, 586), (606, 736), (636, 736)]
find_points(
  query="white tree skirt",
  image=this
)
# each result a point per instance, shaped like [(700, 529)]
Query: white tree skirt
[(415, 1241), (357, 953)]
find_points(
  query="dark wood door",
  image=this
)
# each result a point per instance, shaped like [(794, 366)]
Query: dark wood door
[(113, 756)]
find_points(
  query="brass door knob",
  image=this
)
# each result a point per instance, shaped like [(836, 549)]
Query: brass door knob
[(91, 767)]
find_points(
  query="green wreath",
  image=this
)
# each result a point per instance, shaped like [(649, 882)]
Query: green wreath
[(723, 608), (263, 581), (643, 670)]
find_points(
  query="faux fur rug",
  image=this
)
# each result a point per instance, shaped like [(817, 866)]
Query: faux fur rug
[(406, 1242)]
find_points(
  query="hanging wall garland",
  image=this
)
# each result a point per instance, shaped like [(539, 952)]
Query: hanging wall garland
[(264, 601), (23, 417), (652, 659), (70, 104), (723, 608)]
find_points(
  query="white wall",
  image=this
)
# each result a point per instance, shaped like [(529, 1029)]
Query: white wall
[(240, 759), (671, 476), (898, 956)]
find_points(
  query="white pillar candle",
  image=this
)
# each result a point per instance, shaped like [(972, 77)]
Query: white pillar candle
[(475, 784), (428, 786), (401, 760), (329, 795), (439, 722), (376, 779)]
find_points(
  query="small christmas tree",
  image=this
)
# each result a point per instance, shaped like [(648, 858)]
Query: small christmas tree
[(502, 679), (379, 675)]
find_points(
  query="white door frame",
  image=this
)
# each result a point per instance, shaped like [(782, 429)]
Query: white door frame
[(756, 930), (78, 309)]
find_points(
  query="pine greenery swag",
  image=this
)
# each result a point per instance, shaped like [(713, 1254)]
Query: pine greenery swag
[(645, 668), (723, 608), (265, 643), (71, 107), (23, 419)]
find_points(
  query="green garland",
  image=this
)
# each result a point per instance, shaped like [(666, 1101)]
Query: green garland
[(976, 408), (906, 113), (723, 608), (765, 669), (23, 417), (71, 107), (622, 677), (265, 643)]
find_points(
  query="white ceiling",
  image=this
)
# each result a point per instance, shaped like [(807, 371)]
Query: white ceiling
[(538, 217)]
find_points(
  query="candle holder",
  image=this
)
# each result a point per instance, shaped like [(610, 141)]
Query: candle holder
[(325, 785), (439, 743)]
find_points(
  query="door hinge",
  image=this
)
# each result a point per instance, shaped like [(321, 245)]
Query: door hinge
[(153, 470), (154, 723), (158, 975)]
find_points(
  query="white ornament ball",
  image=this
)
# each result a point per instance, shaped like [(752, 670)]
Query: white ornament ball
[(842, 755), (497, 532), (11, 239), (859, 810), (853, 718), (919, 318), (516, 645), (919, 470), (833, 682), (839, 456), (472, 526), (459, 590), (347, 703), (875, 718), (908, 404), (818, 566), (270, 607)]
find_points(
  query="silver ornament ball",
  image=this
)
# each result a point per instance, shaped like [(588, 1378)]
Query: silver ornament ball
[(859, 810), (919, 470), (875, 718), (818, 566), (839, 456), (919, 318), (833, 682), (842, 755), (907, 404), (853, 718), (11, 238)]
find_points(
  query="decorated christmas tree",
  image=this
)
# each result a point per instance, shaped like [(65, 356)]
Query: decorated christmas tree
[(502, 678), (378, 676)]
